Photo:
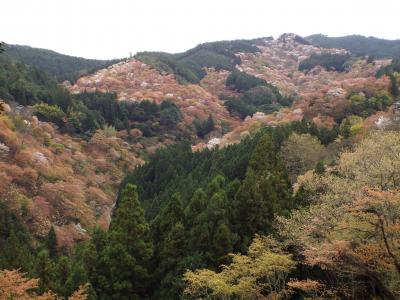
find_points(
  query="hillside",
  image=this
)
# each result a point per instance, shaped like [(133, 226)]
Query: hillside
[(320, 93), (359, 45), (189, 65), (60, 66), (135, 81), (59, 180)]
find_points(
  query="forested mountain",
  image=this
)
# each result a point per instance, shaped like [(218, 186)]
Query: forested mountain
[(359, 45), (188, 66), (60, 66), (246, 169)]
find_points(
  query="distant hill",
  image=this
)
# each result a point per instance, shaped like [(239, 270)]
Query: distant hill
[(359, 45), (188, 66), (62, 67)]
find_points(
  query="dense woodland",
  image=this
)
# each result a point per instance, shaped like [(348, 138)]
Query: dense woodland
[(203, 206), (331, 62), (257, 95), (198, 208), (59, 66), (393, 67), (359, 45), (188, 66), (83, 113)]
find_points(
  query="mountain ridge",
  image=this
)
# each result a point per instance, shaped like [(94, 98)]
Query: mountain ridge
[(359, 44), (61, 66)]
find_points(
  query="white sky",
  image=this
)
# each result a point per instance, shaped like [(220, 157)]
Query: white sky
[(114, 28)]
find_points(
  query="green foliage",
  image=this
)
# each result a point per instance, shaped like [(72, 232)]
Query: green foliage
[(207, 204), (44, 269), (128, 249), (15, 241), (204, 127), (355, 205), (319, 168), (261, 274), (86, 112), (27, 85), (170, 115), (51, 243), (258, 96), (325, 135), (60, 66), (393, 67), (201, 206), (62, 272), (169, 63), (170, 244), (240, 108), (17, 252), (300, 153), (335, 62), (394, 86), (94, 110), (362, 106), (242, 82), (77, 276), (49, 113), (188, 66), (178, 169), (263, 193), (359, 45)]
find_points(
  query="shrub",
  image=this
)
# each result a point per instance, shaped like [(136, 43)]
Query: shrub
[(50, 113), (189, 66)]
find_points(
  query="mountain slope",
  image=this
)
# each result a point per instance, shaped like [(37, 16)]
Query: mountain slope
[(188, 66), (62, 67), (136, 81), (359, 45), (320, 94), (60, 180)]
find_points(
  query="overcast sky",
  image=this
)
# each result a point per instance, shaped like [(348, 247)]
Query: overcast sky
[(114, 28)]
